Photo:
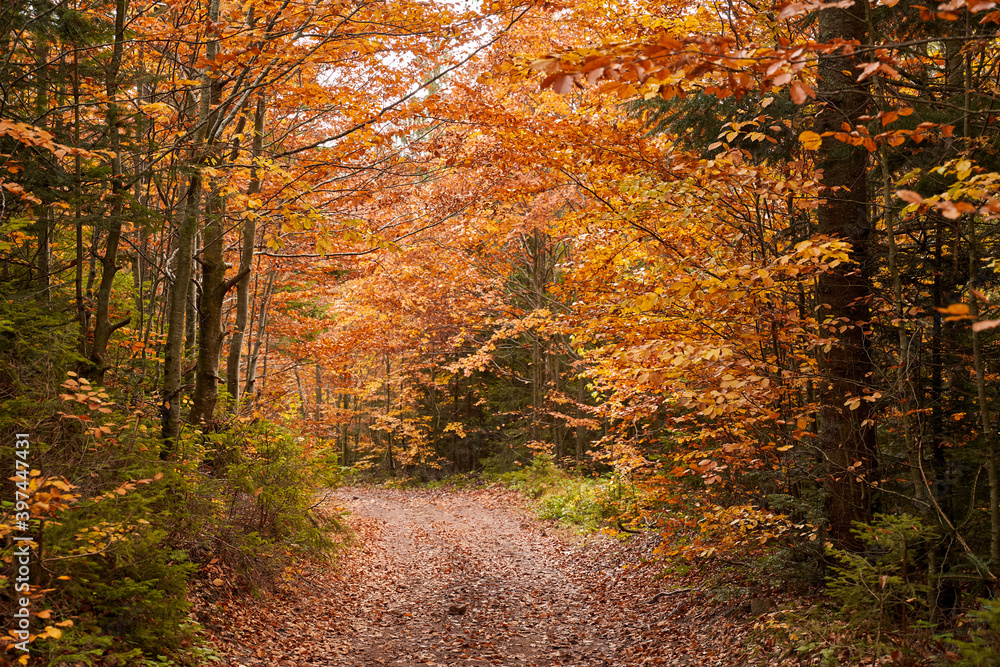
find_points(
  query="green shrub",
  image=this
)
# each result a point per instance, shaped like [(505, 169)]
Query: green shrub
[(881, 595), (587, 502), (983, 646), (885, 585), (123, 579), (542, 476), (256, 504), (118, 564)]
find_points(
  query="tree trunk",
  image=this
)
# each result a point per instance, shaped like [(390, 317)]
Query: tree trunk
[(103, 328), (249, 237), (179, 297), (319, 392), (847, 436), (254, 355), (345, 425), (81, 311), (213, 268), (304, 407), (985, 419), (905, 390), (581, 389), (43, 224), (554, 374), (179, 317), (388, 405)]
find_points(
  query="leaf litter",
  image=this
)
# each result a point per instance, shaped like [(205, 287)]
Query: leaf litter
[(470, 578)]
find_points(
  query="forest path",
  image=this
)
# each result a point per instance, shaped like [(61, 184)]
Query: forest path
[(463, 578)]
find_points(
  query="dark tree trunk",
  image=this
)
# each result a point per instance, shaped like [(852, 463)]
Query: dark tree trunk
[(847, 436), (103, 327), (213, 293)]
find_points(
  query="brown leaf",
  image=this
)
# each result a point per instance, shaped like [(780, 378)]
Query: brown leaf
[(983, 325), (910, 196)]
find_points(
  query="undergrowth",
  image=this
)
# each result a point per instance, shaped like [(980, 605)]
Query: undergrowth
[(121, 539), (879, 607), (585, 502)]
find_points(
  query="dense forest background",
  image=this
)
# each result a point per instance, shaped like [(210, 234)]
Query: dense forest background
[(737, 259)]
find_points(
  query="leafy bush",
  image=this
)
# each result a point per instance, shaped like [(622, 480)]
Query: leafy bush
[(258, 501), (878, 608), (982, 649), (537, 479), (884, 584), (587, 502), (122, 535), (118, 573)]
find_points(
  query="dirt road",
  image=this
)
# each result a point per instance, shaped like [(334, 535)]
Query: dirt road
[(464, 578), (468, 582)]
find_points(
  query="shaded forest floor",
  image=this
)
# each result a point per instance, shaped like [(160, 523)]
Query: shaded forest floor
[(470, 578)]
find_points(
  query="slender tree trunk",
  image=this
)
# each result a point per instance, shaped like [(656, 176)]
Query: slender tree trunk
[(249, 237), (456, 416), (179, 297), (263, 375), (191, 314), (905, 389), (254, 354), (554, 373), (81, 311), (581, 394), (213, 267), (42, 226), (985, 419), (345, 426), (179, 317), (319, 392), (433, 409), (355, 401), (103, 327), (304, 407), (847, 436), (537, 377), (388, 406)]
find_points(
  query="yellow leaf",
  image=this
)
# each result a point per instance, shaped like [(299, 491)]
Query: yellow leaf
[(955, 309), (963, 168), (810, 140)]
